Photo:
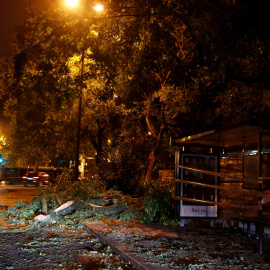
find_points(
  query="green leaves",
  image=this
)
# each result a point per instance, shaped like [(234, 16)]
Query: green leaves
[(22, 210), (158, 208)]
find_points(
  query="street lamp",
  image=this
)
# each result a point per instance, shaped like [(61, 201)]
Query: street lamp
[(74, 3)]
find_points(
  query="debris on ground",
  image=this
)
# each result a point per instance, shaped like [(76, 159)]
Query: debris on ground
[(67, 208), (53, 247), (42, 218), (112, 210), (196, 246), (3, 206), (99, 202)]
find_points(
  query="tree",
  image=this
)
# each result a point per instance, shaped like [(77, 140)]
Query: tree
[(35, 87), (43, 89), (175, 61), (147, 84), (170, 64)]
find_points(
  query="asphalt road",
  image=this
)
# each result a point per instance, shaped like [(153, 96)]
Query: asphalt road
[(9, 195)]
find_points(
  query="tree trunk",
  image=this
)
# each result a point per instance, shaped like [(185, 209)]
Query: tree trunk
[(99, 148), (96, 141), (44, 205), (151, 163), (36, 167), (154, 154)]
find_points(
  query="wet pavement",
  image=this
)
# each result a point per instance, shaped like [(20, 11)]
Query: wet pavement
[(195, 246), (10, 194), (31, 248), (149, 247)]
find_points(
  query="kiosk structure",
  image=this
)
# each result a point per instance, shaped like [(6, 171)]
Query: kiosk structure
[(194, 196), (226, 167)]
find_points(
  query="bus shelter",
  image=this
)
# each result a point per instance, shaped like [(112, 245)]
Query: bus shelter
[(226, 168)]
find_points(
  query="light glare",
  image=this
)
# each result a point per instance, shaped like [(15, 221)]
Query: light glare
[(98, 8), (72, 3)]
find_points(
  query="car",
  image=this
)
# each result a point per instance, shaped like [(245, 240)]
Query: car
[(36, 179)]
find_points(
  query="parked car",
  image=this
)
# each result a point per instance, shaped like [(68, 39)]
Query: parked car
[(36, 179)]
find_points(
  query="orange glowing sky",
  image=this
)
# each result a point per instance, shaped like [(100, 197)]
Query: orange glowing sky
[(11, 15)]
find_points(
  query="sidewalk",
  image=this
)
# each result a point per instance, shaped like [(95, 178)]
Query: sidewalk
[(53, 248), (195, 245), (149, 247)]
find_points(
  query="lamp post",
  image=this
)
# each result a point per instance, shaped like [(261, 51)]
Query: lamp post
[(74, 3), (76, 168)]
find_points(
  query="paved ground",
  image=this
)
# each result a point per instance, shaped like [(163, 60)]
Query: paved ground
[(32, 248), (9, 195), (161, 248), (195, 246)]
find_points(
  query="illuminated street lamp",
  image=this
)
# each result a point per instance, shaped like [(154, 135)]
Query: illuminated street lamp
[(74, 3)]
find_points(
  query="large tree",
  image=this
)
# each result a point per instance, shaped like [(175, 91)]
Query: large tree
[(179, 64), (175, 67), (43, 89)]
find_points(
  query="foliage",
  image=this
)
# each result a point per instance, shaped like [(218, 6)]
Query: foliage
[(158, 208), (130, 214), (22, 213), (22, 210), (170, 68), (239, 101), (84, 192), (123, 169), (158, 204), (65, 189), (160, 68), (41, 88)]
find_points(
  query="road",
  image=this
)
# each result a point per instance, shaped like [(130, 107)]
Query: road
[(9, 195)]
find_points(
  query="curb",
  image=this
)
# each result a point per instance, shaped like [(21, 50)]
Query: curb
[(121, 250)]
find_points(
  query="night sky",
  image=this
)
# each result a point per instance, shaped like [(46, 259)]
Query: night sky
[(11, 15)]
